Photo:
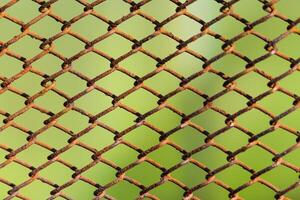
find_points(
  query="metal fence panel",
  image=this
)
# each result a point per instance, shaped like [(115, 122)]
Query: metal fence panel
[(51, 92)]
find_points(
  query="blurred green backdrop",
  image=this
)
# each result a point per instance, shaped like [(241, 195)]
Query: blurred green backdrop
[(94, 102)]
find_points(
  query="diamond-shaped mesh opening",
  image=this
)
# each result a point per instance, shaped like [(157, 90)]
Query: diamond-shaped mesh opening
[(35, 155), (249, 158), (59, 8), (72, 153), (26, 118), (156, 81), (237, 181), (204, 192), (62, 44), (12, 137), (289, 157), (188, 138), (165, 151), (208, 83), (26, 47), (245, 7), (289, 11), (97, 138), (145, 179), (229, 21), (42, 64), (11, 108), (287, 82), (276, 108), (116, 157), (154, 9), (10, 66), (130, 99), (70, 88), (185, 64), (243, 84), (77, 125), (162, 191), (238, 136), (101, 173), (210, 120), (203, 9), (292, 41), (46, 27), (113, 10), (11, 29), (258, 189), (257, 49), (94, 102), (273, 177), (131, 190), (249, 121), (54, 138), (187, 97), (189, 174), (119, 119), (28, 83), (138, 32), (139, 64), (225, 102), (75, 191), (143, 137), (133, 102), (82, 27), (91, 64), (201, 44), (117, 82), (291, 121), (16, 10), (121, 46), (211, 157), (164, 119), (230, 64), (274, 66), (266, 28), (43, 193), (286, 139), (51, 101), (9, 171), (181, 23), (155, 46)]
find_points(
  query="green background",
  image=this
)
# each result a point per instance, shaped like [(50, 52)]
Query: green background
[(142, 101)]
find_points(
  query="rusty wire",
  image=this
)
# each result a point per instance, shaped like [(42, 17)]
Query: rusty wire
[(228, 47)]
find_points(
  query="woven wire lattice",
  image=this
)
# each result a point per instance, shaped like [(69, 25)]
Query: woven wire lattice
[(230, 85)]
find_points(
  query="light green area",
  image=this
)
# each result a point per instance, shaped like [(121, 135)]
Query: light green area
[(188, 138)]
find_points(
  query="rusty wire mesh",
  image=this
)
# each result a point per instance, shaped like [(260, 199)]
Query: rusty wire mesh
[(229, 83)]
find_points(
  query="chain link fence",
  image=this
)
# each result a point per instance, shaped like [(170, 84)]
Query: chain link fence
[(54, 100)]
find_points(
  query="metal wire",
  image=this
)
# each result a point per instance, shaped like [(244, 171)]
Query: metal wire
[(49, 84)]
